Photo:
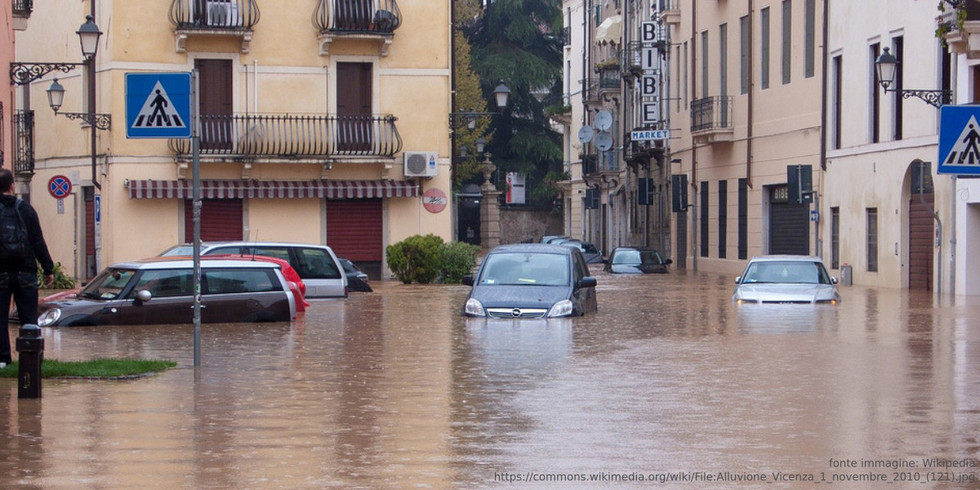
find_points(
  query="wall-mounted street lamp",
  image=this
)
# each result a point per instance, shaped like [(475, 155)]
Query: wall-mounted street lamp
[(887, 66)]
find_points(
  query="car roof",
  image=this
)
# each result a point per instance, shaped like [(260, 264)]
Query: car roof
[(784, 258), (184, 263), (531, 247), (639, 249)]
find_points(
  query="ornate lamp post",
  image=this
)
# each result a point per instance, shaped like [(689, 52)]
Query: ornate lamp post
[(887, 67)]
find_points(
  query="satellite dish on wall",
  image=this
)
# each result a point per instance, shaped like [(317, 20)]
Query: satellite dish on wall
[(604, 140), (585, 134), (603, 120)]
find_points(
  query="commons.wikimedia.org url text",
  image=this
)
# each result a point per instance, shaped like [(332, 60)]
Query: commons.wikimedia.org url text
[(929, 471)]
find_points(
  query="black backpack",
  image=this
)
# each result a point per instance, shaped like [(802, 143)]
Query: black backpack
[(14, 242)]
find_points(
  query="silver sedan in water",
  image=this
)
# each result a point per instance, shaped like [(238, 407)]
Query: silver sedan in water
[(786, 279)]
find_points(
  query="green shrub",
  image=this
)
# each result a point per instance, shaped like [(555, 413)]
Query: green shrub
[(61, 280), (415, 258), (458, 259)]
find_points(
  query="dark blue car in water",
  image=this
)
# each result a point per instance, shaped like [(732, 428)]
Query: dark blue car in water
[(531, 281)]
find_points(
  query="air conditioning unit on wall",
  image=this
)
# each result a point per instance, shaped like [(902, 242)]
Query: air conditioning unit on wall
[(421, 164)]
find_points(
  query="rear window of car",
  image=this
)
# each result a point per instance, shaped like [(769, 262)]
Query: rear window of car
[(316, 263), (166, 283), (225, 281)]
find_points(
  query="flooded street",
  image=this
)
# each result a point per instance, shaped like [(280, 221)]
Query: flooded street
[(668, 382)]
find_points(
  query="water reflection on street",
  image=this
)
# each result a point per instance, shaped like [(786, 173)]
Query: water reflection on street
[(393, 389)]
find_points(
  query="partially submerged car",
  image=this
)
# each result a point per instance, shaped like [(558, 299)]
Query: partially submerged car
[(160, 290), (636, 260), (786, 279), (531, 281), (357, 280), (316, 264)]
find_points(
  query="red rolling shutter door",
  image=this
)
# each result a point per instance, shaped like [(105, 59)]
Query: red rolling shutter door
[(221, 219), (354, 229)]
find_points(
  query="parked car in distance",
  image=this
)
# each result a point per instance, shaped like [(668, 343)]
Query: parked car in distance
[(357, 280), (589, 251), (531, 281), (160, 290), (316, 264), (296, 284), (548, 238), (786, 279), (636, 260)]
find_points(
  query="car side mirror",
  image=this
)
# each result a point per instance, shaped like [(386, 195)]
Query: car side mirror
[(738, 279), (833, 280), (468, 280), (143, 296), (586, 282), (668, 262)]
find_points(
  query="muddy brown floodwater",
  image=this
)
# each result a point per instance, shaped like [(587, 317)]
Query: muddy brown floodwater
[(668, 383)]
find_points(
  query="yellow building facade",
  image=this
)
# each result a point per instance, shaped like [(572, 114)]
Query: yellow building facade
[(321, 121)]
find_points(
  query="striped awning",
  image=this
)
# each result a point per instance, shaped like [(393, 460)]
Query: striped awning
[(280, 189)]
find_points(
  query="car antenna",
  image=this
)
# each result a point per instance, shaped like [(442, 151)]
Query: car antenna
[(252, 248)]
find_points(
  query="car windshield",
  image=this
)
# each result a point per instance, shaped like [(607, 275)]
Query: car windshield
[(795, 272), (108, 285), (636, 257), (178, 250), (516, 268)]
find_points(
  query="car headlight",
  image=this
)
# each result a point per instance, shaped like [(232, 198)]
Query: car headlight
[(49, 317), (561, 308), (473, 308)]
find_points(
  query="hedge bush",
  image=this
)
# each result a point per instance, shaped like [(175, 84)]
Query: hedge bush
[(458, 259), (415, 258), (425, 259)]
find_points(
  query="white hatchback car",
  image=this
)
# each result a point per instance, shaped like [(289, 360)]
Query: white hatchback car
[(317, 265), (785, 279)]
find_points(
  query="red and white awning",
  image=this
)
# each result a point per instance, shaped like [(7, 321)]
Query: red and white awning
[(304, 189)]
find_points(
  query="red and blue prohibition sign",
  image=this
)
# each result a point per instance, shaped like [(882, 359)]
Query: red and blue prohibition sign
[(59, 186)]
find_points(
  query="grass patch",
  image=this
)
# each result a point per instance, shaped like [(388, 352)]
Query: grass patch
[(98, 368)]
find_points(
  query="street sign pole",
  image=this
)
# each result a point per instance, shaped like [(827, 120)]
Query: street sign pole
[(196, 199)]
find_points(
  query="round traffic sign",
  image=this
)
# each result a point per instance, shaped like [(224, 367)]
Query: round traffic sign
[(434, 200), (59, 186)]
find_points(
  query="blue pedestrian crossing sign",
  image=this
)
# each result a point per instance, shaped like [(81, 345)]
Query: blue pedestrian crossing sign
[(959, 140), (158, 105)]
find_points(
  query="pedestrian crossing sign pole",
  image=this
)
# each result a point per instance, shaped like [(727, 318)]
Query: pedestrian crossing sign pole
[(959, 140), (158, 105)]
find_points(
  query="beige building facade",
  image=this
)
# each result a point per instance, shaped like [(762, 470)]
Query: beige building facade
[(745, 107), (329, 131)]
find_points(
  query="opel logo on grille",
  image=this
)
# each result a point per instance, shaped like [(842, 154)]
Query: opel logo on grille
[(516, 312)]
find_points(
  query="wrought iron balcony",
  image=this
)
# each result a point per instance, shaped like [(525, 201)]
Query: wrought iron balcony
[(214, 17), (289, 136), (711, 119), (959, 26), (670, 12), (358, 19), (23, 142), (23, 8)]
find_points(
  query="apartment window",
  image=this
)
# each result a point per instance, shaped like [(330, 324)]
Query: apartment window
[(723, 59), (837, 78), (677, 77), (704, 218), (898, 48), (787, 38), (873, 127), (744, 45), (835, 238), (743, 219), (810, 43), (704, 64), (685, 74), (764, 48), (722, 218), (872, 238)]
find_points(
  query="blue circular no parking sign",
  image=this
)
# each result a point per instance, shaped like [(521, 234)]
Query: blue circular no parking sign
[(59, 186)]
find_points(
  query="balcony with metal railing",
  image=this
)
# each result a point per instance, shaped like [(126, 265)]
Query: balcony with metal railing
[(670, 12), (291, 137), (356, 19), (23, 8), (23, 122), (711, 119), (959, 25), (194, 18)]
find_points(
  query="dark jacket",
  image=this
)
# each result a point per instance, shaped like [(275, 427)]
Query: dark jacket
[(39, 248)]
